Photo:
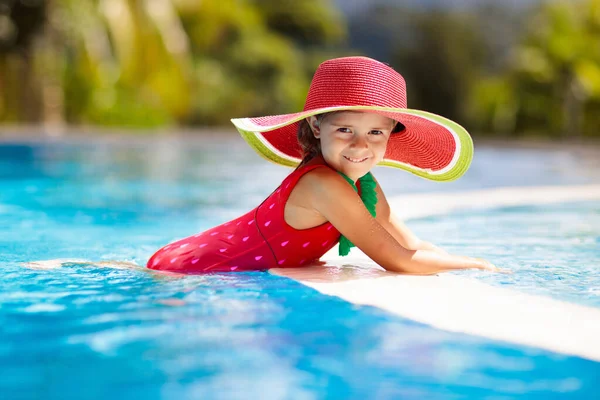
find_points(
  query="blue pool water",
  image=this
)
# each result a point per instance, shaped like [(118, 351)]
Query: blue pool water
[(85, 331), (553, 250)]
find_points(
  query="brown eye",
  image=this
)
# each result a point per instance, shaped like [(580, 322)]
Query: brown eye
[(376, 132), (344, 130)]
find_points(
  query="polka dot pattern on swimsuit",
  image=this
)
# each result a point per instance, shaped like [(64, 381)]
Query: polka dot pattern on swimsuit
[(258, 240)]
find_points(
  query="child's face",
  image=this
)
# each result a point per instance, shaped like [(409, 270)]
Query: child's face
[(353, 142)]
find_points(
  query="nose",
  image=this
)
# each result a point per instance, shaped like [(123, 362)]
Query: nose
[(359, 142)]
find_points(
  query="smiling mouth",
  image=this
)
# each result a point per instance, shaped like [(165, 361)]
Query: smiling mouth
[(356, 160)]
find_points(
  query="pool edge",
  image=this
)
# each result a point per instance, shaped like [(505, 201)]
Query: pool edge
[(466, 305)]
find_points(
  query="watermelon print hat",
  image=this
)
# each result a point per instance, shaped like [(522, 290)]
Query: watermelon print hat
[(430, 146)]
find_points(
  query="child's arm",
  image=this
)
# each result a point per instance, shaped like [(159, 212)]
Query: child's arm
[(331, 196), (398, 229)]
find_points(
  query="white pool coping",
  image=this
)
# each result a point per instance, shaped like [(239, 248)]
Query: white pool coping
[(461, 304)]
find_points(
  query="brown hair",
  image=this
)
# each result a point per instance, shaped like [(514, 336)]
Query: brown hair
[(311, 146)]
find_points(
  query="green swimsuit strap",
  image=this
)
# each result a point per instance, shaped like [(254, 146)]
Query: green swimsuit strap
[(369, 197)]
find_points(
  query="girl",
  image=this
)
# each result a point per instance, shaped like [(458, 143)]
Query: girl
[(355, 117)]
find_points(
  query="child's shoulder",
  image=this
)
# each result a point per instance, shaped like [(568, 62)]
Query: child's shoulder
[(320, 181), (321, 174), (315, 171)]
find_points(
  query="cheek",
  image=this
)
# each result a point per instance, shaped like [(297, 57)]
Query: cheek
[(381, 147), (380, 143), (331, 144)]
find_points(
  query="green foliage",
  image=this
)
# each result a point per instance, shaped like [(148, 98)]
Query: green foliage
[(553, 80), (442, 61), (142, 63), (493, 105), (151, 63), (308, 22)]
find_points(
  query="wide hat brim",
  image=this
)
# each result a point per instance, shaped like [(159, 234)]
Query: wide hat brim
[(431, 146)]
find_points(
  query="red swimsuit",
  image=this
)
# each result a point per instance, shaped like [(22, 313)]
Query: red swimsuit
[(258, 240)]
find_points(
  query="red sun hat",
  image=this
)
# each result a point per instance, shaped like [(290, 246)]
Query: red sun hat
[(430, 146)]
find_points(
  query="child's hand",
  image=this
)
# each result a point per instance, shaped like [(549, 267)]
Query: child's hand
[(488, 266), (485, 265)]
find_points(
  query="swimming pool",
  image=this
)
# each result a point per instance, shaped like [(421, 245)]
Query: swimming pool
[(554, 250), (84, 331)]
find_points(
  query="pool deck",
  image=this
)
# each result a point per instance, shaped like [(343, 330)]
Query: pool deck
[(460, 304)]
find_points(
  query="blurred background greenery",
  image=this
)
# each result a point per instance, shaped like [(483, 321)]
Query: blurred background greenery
[(527, 68)]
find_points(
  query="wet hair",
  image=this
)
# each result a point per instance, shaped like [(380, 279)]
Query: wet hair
[(311, 146)]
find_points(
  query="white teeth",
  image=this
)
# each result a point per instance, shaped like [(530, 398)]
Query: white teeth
[(355, 160)]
